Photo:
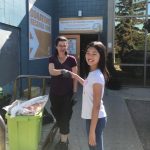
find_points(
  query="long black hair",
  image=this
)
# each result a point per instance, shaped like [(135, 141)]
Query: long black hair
[(99, 46), (58, 39)]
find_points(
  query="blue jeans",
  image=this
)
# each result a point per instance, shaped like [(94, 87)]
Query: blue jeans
[(99, 133)]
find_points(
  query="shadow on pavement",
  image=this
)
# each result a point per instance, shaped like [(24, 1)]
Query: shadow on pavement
[(140, 113)]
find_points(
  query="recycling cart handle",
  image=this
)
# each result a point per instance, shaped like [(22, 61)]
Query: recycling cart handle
[(29, 78)]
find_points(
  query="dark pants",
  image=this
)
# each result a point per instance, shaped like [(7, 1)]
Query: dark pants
[(61, 107), (99, 133)]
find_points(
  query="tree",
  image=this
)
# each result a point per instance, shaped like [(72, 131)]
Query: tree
[(128, 36), (123, 36)]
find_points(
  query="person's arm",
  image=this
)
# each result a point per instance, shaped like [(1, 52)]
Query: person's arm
[(74, 70), (97, 93), (77, 77), (55, 72)]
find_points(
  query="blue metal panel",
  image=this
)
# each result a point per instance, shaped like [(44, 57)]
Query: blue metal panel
[(9, 56)]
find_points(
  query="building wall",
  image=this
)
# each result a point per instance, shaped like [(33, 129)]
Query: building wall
[(89, 8), (15, 13)]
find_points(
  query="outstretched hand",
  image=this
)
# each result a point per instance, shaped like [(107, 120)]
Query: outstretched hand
[(65, 73), (78, 78), (73, 74)]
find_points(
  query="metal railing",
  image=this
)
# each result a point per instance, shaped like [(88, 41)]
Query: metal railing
[(29, 78)]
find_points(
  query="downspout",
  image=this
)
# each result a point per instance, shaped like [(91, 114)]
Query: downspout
[(2, 134)]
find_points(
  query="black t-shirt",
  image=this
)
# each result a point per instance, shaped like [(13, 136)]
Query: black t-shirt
[(59, 84)]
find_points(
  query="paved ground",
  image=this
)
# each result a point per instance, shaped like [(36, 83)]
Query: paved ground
[(140, 113), (77, 138), (121, 132)]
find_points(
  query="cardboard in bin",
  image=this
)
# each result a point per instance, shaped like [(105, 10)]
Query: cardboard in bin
[(24, 132), (35, 91)]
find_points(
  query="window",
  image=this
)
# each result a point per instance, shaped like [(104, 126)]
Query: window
[(131, 41)]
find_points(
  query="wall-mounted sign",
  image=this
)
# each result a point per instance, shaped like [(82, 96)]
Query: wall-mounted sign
[(39, 33), (72, 46), (81, 25)]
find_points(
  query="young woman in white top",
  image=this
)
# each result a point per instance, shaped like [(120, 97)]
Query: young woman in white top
[(93, 110)]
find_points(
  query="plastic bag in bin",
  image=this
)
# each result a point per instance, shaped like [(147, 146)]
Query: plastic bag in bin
[(29, 107)]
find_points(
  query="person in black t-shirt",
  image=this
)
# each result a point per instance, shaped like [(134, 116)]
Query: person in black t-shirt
[(62, 88)]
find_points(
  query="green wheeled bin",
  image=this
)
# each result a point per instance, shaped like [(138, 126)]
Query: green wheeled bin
[(24, 132)]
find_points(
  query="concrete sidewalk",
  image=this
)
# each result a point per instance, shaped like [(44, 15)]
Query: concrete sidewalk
[(120, 132)]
